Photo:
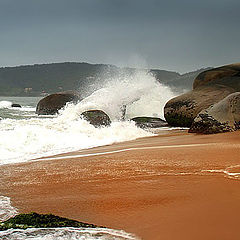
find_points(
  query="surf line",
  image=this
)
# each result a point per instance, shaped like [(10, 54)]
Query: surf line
[(125, 150)]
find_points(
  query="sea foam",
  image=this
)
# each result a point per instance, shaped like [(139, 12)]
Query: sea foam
[(22, 140), (5, 104), (6, 209), (66, 234)]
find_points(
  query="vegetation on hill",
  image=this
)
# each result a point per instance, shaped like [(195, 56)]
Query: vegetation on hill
[(40, 79)]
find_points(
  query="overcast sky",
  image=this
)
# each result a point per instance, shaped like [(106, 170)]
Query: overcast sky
[(180, 35)]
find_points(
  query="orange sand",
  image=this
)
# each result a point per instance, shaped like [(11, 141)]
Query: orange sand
[(164, 192)]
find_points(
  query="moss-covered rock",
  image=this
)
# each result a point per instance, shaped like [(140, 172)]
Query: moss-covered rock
[(35, 220)]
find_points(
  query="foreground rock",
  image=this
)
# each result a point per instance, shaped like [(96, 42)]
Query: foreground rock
[(209, 88), (223, 116), (182, 110), (52, 103), (35, 220), (149, 122), (97, 118)]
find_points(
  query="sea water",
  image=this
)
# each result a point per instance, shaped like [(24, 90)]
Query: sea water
[(25, 135)]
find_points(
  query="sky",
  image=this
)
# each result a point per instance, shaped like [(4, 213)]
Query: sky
[(178, 35)]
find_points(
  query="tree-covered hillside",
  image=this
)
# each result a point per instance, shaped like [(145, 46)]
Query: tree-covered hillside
[(39, 79)]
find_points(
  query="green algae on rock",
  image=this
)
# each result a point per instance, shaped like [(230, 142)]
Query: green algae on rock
[(35, 220)]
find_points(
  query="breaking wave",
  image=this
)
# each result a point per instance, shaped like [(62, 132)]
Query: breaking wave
[(25, 136)]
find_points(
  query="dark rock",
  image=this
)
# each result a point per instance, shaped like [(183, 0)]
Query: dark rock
[(35, 220), (52, 103), (182, 110), (149, 122), (97, 118), (16, 105), (209, 88), (223, 116), (123, 111), (226, 75)]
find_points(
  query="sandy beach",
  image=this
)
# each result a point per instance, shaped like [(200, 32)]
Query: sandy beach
[(171, 186)]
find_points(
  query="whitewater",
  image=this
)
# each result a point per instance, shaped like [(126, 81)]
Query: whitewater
[(26, 136)]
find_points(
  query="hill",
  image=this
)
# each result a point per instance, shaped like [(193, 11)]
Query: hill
[(40, 79)]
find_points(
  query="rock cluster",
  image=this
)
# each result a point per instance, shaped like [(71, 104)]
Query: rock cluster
[(223, 116), (201, 108)]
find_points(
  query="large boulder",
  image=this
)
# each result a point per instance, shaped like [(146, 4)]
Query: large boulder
[(223, 116), (227, 75), (52, 103), (209, 88), (149, 122), (97, 118)]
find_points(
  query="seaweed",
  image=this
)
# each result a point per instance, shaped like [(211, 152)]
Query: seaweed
[(35, 220)]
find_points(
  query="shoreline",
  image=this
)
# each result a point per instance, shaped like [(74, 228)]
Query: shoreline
[(172, 186)]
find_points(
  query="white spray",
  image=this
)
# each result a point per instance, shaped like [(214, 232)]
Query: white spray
[(138, 91)]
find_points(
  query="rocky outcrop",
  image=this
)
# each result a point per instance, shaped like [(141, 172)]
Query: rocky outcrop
[(209, 88), (223, 116), (149, 122), (52, 103), (97, 118), (182, 110), (227, 75)]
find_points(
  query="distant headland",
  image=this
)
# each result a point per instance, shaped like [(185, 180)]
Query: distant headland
[(42, 79)]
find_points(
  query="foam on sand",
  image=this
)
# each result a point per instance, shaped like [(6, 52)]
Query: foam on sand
[(66, 233), (6, 209)]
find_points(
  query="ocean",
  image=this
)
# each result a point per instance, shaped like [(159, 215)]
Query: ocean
[(26, 136)]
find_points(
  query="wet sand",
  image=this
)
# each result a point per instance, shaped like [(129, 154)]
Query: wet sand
[(173, 186)]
